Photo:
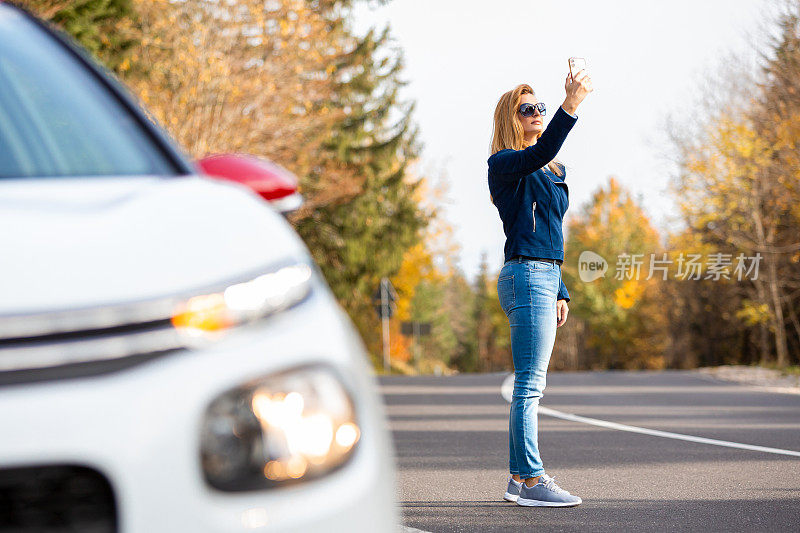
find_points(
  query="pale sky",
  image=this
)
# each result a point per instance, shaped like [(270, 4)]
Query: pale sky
[(645, 58)]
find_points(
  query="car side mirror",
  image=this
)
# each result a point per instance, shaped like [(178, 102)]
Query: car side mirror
[(270, 181)]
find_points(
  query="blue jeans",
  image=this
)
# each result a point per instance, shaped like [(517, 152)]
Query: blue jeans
[(527, 290)]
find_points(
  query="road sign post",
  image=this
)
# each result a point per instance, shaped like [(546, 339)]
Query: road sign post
[(415, 329), (387, 298)]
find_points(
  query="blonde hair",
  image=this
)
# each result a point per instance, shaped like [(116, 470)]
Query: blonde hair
[(508, 131)]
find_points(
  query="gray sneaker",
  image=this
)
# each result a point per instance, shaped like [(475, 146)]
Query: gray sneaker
[(546, 494), (512, 492)]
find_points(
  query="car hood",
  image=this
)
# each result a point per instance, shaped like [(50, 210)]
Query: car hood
[(80, 242)]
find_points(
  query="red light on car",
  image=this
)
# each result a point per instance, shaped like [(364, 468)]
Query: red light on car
[(270, 181)]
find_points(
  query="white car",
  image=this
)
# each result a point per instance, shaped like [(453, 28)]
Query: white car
[(171, 358)]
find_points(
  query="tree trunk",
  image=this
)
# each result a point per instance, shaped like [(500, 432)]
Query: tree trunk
[(777, 312), (763, 337), (793, 317)]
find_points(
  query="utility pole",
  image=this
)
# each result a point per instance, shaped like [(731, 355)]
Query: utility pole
[(385, 321)]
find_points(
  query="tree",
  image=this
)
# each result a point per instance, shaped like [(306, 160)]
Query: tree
[(625, 325), (777, 123), (738, 181), (728, 195), (106, 28), (481, 316), (363, 234)]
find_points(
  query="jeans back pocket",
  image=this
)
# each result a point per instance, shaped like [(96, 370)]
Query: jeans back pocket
[(505, 292)]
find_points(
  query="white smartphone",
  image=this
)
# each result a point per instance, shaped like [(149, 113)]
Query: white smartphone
[(576, 64)]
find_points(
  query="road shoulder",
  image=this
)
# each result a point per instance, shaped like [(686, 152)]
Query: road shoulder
[(765, 379)]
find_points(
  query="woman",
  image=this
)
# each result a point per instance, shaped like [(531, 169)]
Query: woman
[(527, 186)]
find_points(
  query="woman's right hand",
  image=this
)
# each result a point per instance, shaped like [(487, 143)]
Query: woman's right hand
[(577, 89)]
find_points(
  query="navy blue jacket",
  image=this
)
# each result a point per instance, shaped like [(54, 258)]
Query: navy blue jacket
[(530, 198)]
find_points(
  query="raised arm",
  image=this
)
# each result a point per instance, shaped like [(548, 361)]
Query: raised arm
[(511, 165)]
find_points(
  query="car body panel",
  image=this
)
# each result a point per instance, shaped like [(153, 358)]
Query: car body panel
[(86, 242)]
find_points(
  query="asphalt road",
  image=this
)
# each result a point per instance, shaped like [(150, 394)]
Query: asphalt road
[(451, 439)]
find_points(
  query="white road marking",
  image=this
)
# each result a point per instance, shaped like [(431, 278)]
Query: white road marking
[(507, 388)]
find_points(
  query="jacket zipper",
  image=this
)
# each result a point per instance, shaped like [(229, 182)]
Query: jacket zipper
[(533, 215)]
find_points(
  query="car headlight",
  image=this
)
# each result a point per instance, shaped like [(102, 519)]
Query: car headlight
[(295, 425), (239, 303)]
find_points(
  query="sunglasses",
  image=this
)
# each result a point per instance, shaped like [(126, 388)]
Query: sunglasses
[(527, 109)]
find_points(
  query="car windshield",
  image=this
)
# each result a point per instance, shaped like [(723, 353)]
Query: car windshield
[(57, 119)]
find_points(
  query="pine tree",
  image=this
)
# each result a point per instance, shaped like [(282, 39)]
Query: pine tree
[(458, 305), (103, 27), (781, 66), (362, 236)]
